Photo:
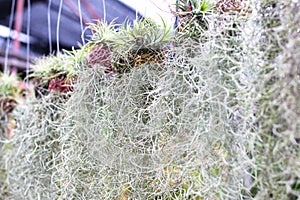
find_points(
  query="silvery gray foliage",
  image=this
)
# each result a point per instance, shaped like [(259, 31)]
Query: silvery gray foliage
[(160, 131), (274, 44), (217, 120), (32, 154)]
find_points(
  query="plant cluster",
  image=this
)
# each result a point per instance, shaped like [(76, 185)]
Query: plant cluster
[(206, 119), (57, 73), (32, 155), (122, 47)]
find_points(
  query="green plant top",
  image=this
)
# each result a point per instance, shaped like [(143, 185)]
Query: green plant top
[(58, 72), (192, 18), (63, 64), (102, 33), (119, 48), (194, 7), (10, 86), (142, 34)]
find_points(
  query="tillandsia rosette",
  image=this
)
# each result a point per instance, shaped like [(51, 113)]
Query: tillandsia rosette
[(57, 73), (192, 17), (144, 41), (118, 48), (100, 45)]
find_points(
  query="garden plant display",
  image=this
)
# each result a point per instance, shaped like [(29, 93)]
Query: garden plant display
[(210, 112)]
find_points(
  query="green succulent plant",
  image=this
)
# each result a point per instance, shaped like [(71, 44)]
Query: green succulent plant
[(101, 44), (55, 65), (125, 46), (192, 16), (102, 32), (57, 72), (195, 7), (9, 85), (142, 34), (139, 43)]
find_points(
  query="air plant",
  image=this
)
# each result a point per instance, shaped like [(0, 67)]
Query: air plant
[(12, 93), (37, 123), (142, 42), (11, 85), (101, 45), (56, 73), (193, 7), (32, 154), (121, 47), (192, 15)]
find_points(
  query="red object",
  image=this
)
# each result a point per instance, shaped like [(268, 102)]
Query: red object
[(18, 24), (224, 6), (74, 9), (91, 10), (60, 84)]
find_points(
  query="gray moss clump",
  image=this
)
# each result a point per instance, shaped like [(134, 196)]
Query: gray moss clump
[(32, 155), (167, 147), (275, 99), (2, 168), (165, 131)]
